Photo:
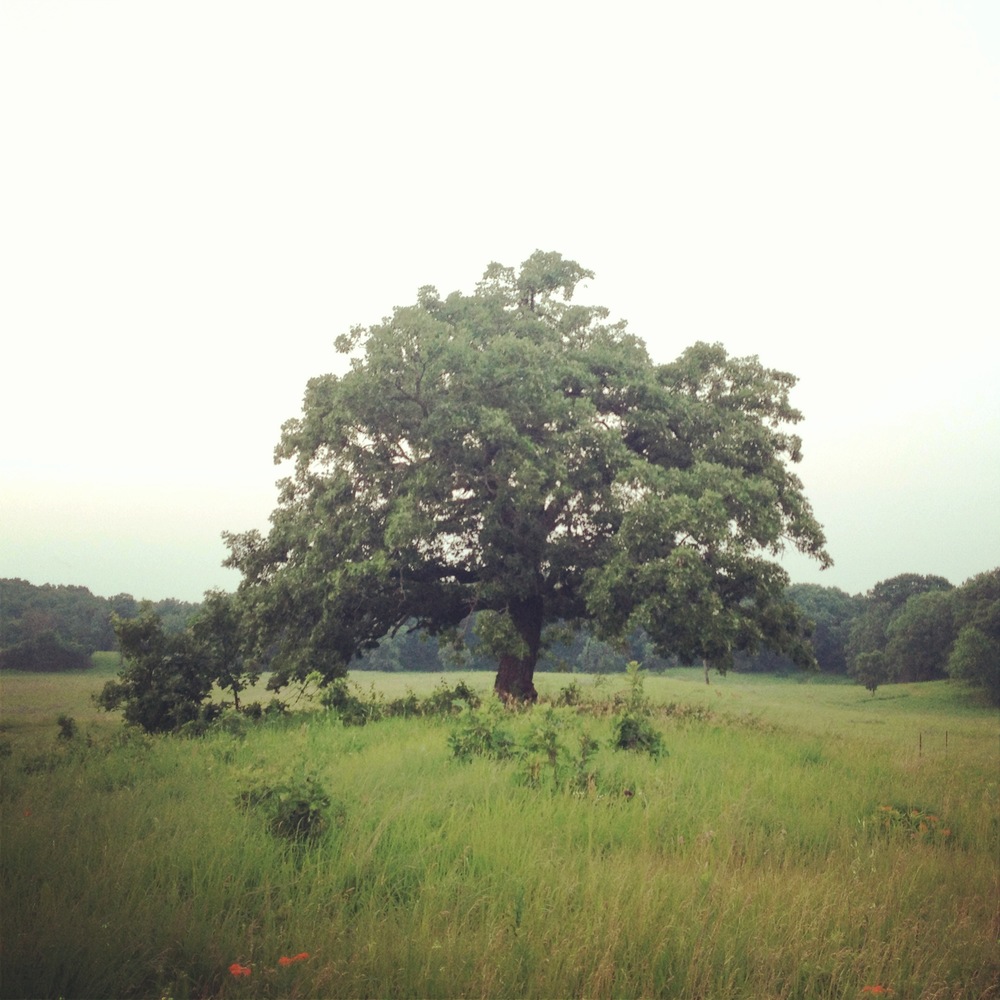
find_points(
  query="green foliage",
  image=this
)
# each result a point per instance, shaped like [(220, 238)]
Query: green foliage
[(45, 653), (355, 708), (976, 658), (341, 697), (633, 729), (882, 604), (482, 733), (917, 628), (218, 629), (571, 694), (512, 453), (80, 620), (165, 678), (919, 637), (830, 613), (68, 729), (636, 733), (555, 747), (296, 809), (976, 654), (446, 700), (870, 669)]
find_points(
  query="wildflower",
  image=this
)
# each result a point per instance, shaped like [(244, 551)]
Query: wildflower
[(876, 989), (27, 813), (239, 970), (300, 957)]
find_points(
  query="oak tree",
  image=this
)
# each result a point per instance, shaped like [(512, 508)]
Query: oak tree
[(517, 454)]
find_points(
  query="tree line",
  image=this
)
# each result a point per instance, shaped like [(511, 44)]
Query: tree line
[(921, 628), (52, 627), (906, 628)]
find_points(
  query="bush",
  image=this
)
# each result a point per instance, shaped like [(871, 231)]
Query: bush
[(637, 733), (633, 730), (482, 734), (446, 700), (351, 710), (295, 809), (67, 727)]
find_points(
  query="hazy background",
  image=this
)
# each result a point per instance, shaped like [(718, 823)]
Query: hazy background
[(197, 197)]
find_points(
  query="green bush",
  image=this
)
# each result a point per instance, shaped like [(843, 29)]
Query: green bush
[(296, 809), (633, 732), (67, 727), (481, 733), (632, 729), (446, 700)]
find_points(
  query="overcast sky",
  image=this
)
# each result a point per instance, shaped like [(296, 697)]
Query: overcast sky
[(196, 198)]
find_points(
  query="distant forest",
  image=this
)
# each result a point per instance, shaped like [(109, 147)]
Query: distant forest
[(58, 627), (907, 628)]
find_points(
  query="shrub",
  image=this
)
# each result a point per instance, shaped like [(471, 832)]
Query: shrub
[(295, 809), (482, 734), (570, 695), (351, 710), (634, 732), (446, 700), (67, 727)]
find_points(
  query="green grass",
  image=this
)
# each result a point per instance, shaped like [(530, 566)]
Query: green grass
[(750, 862)]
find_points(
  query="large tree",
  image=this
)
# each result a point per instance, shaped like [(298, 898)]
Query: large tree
[(882, 604), (976, 654), (514, 453)]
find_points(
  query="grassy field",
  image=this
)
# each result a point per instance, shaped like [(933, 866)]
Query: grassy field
[(801, 838)]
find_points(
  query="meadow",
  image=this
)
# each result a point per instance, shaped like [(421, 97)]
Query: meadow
[(799, 838)]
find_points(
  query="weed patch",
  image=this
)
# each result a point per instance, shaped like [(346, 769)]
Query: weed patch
[(296, 809), (912, 822)]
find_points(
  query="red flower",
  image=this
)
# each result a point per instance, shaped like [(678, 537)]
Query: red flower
[(875, 989), (239, 970), (285, 960)]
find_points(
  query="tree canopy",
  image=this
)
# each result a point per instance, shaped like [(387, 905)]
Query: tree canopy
[(975, 656), (873, 630), (514, 453)]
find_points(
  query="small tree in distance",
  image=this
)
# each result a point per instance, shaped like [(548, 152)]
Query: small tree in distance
[(164, 678), (221, 638), (516, 454)]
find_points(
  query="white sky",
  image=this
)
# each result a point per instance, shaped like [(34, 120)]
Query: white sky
[(197, 197)]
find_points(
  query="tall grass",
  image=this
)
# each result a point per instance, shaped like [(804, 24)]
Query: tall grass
[(749, 862)]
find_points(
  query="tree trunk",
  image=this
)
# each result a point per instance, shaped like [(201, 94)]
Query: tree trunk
[(514, 679), (515, 674)]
